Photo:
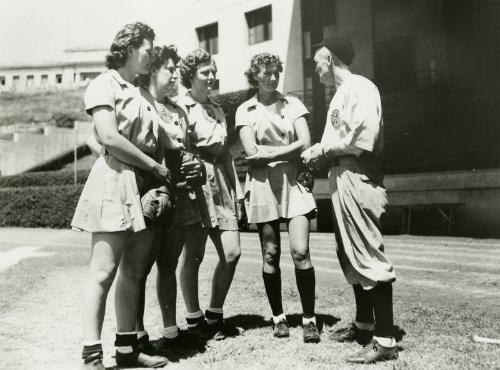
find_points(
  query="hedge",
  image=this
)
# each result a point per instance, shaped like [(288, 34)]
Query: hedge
[(51, 206), (48, 178)]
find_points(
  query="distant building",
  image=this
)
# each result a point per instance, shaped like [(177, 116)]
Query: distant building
[(79, 66)]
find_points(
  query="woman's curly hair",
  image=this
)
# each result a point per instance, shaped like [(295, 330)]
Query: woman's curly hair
[(159, 56), (191, 62), (258, 60), (132, 34)]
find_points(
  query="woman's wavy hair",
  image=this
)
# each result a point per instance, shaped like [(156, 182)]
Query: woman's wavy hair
[(258, 60), (190, 63), (132, 34), (159, 56)]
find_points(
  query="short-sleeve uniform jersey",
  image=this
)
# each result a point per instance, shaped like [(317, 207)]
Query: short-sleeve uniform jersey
[(358, 196), (271, 191), (110, 200), (207, 131)]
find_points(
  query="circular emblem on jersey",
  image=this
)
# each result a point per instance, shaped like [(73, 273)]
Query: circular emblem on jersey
[(335, 118), (208, 112), (165, 114)]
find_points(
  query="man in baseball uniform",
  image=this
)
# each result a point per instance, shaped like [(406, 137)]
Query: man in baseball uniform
[(352, 138)]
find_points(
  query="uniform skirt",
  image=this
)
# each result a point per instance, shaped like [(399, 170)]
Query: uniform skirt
[(358, 204), (110, 199), (272, 193), (212, 203)]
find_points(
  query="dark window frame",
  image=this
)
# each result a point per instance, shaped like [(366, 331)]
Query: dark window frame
[(208, 37), (261, 17)]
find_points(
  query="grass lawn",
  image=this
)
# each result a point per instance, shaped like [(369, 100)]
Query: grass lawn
[(40, 106), (447, 291)]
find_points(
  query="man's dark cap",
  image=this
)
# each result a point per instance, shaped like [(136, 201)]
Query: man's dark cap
[(340, 46)]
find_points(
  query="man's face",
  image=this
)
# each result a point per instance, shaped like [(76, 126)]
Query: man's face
[(324, 68)]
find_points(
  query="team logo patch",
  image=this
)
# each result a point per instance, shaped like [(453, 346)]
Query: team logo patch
[(335, 118), (165, 114)]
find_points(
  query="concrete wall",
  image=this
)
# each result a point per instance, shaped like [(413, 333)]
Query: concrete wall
[(29, 149), (478, 192)]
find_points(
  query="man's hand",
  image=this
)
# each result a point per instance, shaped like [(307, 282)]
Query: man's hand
[(313, 157)]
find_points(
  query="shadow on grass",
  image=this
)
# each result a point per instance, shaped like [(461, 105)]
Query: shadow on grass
[(251, 321), (191, 348)]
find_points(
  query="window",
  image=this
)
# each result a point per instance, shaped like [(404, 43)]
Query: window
[(208, 36), (44, 80), (58, 78), (2, 80), (30, 79), (260, 25), (15, 82)]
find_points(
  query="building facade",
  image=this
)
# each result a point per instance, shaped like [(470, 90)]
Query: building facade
[(80, 65)]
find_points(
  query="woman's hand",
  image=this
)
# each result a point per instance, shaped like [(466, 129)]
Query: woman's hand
[(261, 157), (191, 170), (163, 173)]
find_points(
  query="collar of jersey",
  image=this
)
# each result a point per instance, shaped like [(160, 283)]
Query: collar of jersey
[(189, 100), (254, 101)]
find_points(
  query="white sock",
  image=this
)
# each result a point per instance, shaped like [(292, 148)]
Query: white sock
[(306, 320), (365, 325), (194, 315), (126, 349), (141, 334), (386, 342), (279, 318), (215, 310), (171, 332), (91, 343)]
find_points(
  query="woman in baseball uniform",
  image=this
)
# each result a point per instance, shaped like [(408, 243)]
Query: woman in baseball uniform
[(129, 128), (274, 131), (215, 212), (160, 204)]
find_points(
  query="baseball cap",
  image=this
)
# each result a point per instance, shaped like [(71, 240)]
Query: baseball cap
[(340, 46)]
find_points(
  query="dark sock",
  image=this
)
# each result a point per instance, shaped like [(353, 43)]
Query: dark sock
[(364, 307), (306, 284), (195, 321), (125, 340), (382, 305), (213, 315), (272, 283), (90, 353)]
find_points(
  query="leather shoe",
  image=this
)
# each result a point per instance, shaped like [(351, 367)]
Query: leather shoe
[(281, 330), (351, 334), (93, 362), (311, 333), (373, 352), (139, 359)]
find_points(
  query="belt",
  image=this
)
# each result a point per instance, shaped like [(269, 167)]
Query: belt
[(343, 160)]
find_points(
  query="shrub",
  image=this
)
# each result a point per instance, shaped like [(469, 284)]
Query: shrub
[(51, 206), (48, 178)]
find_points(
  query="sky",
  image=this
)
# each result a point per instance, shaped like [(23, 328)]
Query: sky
[(34, 31)]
